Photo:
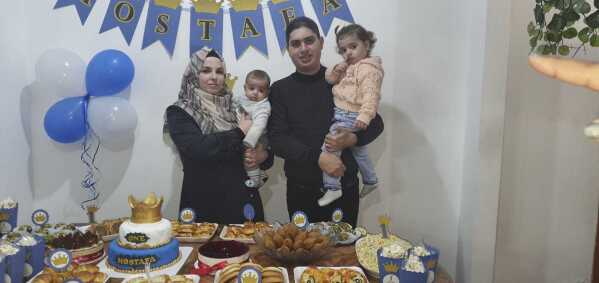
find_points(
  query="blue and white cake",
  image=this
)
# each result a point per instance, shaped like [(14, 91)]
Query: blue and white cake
[(145, 238)]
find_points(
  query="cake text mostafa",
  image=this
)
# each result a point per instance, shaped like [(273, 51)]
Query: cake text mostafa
[(134, 261)]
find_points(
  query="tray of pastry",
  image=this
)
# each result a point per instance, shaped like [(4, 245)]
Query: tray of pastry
[(269, 274), (243, 232), (85, 273), (193, 233), (348, 274), (188, 278)]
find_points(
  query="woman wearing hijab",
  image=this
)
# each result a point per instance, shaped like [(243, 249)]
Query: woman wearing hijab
[(207, 130)]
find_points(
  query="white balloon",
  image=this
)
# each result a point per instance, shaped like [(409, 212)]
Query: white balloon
[(62, 71), (111, 117)]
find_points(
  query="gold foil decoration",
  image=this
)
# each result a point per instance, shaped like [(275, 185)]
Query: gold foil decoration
[(171, 4), (245, 5), (206, 6), (146, 211), (278, 1), (230, 81)]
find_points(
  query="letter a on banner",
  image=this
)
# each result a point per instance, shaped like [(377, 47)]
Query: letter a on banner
[(162, 24), (84, 7), (124, 14), (247, 24), (206, 26), (282, 12), (327, 10)]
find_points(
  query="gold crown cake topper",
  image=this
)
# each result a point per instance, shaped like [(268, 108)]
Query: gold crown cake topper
[(146, 211)]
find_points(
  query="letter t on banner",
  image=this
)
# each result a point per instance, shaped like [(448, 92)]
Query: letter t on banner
[(125, 14), (206, 26), (327, 10), (282, 12)]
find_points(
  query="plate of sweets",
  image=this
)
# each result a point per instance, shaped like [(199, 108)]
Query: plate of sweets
[(193, 232), (269, 274), (313, 274), (244, 232), (85, 246), (290, 245), (86, 273)]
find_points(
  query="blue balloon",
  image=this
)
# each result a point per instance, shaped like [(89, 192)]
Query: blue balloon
[(109, 72), (65, 120)]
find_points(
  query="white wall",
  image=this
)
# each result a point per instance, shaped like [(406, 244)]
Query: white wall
[(429, 97), (548, 201), (15, 150)]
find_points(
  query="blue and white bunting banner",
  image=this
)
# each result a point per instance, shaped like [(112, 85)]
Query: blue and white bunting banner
[(125, 15), (206, 29), (248, 28), (84, 7), (327, 10), (282, 13), (206, 21), (162, 25)]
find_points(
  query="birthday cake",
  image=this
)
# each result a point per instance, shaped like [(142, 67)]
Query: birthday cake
[(144, 238)]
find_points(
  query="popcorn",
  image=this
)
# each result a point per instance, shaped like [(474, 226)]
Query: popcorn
[(413, 264), (27, 241), (421, 250), (8, 249), (395, 251), (8, 203)]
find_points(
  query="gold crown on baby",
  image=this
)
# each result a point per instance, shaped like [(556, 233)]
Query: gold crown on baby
[(146, 211), (60, 259), (391, 267)]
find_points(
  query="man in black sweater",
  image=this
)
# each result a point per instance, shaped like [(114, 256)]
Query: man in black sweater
[(302, 111)]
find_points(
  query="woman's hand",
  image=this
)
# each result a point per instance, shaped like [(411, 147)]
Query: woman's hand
[(254, 157), (245, 122), (343, 139)]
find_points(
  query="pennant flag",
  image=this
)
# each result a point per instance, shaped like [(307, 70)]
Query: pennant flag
[(248, 26), (162, 24), (327, 10), (125, 14), (282, 12), (84, 7), (206, 26)]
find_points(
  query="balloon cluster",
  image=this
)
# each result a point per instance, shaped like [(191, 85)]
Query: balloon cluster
[(108, 73)]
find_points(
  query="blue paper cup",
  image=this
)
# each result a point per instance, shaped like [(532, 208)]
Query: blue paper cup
[(388, 266), (412, 277), (430, 261), (8, 219), (14, 266), (2, 268), (34, 258)]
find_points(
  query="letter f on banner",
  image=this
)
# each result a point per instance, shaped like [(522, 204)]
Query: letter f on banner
[(282, 12)]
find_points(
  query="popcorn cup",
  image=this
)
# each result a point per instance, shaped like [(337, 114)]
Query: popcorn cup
[(389, 267), (406, 276), (14, 265), (8, 219), (34, 257), (2, 268), (430, 261)]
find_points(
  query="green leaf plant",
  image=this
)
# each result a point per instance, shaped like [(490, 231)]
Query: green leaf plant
[(564, 27)]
